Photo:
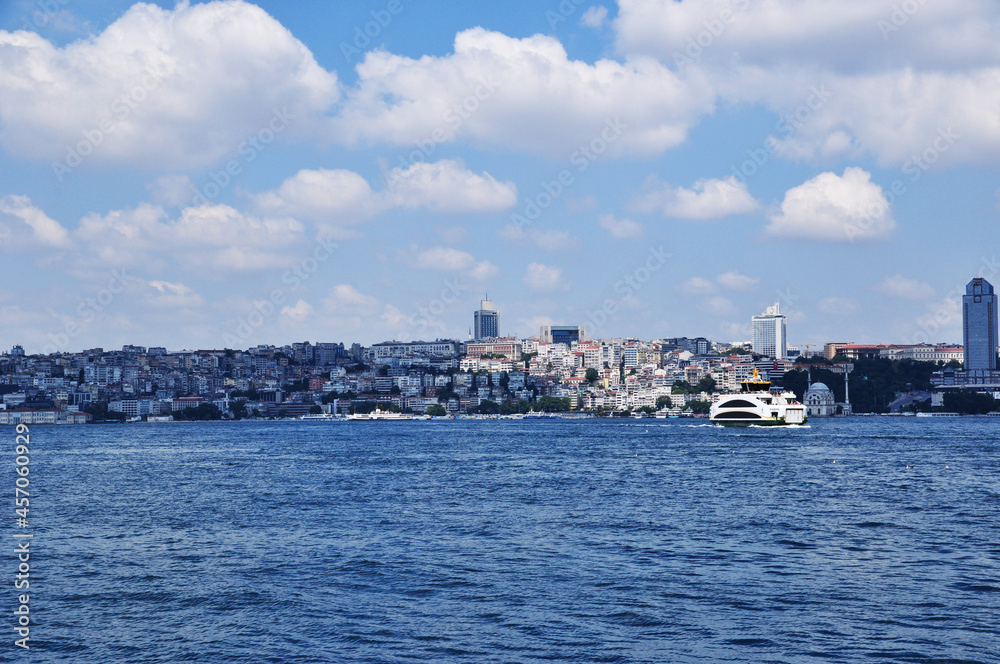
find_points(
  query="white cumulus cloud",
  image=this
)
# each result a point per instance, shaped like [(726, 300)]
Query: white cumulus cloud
[(160, 88), (336, 196), (299, 312), (910, 289), (872, 76), (444, 258), (834, 208), (736, 281), (707, 199), (594, 17), (346, 300), (168, 294), (696, 286), (340, 197), (22, 225), (447, 186), (523, 94), (620, 229), (207, 239), (544, 278)]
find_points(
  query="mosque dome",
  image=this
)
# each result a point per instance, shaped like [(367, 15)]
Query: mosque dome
[(819, 388)]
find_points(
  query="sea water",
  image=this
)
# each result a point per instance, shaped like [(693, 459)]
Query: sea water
[(850, 540)]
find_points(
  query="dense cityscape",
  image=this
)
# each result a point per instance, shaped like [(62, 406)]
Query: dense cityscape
[(558, 370)]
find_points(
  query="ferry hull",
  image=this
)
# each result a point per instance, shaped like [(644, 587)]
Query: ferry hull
[(758, 423)]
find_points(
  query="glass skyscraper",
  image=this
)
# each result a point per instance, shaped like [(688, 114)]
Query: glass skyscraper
[(486, 322), (979, 324)]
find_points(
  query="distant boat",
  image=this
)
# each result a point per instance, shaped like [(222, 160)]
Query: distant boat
[(758, 405), (325, 417), (379, 414)]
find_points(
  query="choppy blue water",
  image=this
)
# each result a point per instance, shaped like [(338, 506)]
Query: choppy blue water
[(490, 542)]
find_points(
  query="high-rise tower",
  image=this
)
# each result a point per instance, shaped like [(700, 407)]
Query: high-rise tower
[(769, 333), (979, 325), (486, 321)]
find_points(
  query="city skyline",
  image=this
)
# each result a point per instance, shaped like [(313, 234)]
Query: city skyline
[(366, 171)]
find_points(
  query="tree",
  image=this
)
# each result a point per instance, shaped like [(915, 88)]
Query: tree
[(447, 392), (315, 410), (100, 413), (487, 407), (698, 406), (201, 412), (874, 384), (683, 387), (706, 384), (296, 386), (552, 404), (735, 350), (968, 402), (592, 375), (664, 402), (238, 408), (436, 410), (363, 407)]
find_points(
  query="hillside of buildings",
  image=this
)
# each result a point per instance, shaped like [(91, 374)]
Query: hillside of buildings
[(606, 377)]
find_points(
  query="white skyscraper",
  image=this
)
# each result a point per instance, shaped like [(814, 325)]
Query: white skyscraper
[(769, 333)]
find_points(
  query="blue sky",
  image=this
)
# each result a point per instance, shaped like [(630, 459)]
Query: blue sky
[(233, 174)]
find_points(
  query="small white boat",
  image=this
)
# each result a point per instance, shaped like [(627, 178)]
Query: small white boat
[(379, 414), (323, 417)]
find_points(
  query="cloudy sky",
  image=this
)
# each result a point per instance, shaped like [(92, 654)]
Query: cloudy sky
[(229, 174)]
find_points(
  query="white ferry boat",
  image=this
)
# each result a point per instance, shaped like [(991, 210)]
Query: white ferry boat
[(759, 405), (379, 414)]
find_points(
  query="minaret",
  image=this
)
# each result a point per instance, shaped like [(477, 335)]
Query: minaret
[(847, 395)]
